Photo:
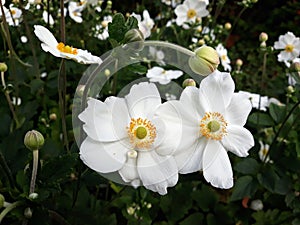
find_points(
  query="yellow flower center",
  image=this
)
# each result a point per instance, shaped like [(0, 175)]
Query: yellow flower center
[(13, 12), (289, 48), (224, 57), (191, 13), (66, 49), (141, 132), (265, 152), (213, 126)]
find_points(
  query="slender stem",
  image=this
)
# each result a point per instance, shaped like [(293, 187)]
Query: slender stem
[(170, 45), (262, 82), (6, 169), (281, 127), (8, 209), (8, 99), (34, 170)]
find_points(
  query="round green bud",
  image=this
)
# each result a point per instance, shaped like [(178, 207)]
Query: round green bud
[(205, 61), (33, 140), (263, 37), (2, 200), (188, 82), (3, 67), (28, 213)]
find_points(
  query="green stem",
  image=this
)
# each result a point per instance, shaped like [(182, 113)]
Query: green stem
[(280, 128), (34, 170), (8, 209), (6, 169)]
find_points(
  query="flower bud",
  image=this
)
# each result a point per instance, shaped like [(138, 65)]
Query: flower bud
[(188, 82), (53, 116), (205, 61), (290, 89), (33, 140), (295, 66), (256, 205), (3, 67), (263, 37), (134, 35), (239, 62), (80, 90), (227, 26), (33, 196), (28, 213), (2, 200)]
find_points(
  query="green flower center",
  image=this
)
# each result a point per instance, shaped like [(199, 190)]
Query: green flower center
[(213, 126), (141, 132)]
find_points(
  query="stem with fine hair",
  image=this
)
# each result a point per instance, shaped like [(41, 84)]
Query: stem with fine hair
[(34, 170)]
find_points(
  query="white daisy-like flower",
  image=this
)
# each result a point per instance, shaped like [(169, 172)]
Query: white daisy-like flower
[(172, 3), (102, 29), (13, 15), (257, 101), (146, 24), (50, 44), (263, 152), (124, 137), (157, 55), (290, 45), (75, 10), (225, 61), (162, 76), (189, 11), (211, 120), (48, 17)]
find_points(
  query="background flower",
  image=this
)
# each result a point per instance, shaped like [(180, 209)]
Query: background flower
[(162, 76)]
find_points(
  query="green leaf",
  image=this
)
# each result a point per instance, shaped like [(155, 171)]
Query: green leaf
[(247, 166), (36, 85), (268, 178), (277, 112), (205, 198), (194, 219), (245, 186), (261, 119)]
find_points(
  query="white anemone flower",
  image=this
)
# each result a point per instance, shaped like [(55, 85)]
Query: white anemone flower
[(146, 24), (50, 44), (75, 10), (162, 76), (263, 152), (13, 15), (290, 45), (211, 120), (189, 11), (102, 29), (257, 101), (225, 61), (124, 137)]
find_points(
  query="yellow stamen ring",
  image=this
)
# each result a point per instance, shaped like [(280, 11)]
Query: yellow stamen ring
[(289, 48), (191, 13), (141, 132), (66, 49), (213, 126)]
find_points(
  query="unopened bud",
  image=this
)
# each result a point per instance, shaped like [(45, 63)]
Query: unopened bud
[(80, 90), (28, 213), (53, 116), (188, 82), (33, 196), (290, 89), (205, 61), (3, 67), (239, 62), (256, 205), (133, 35), (227, 26), (295, 66), (33, 140), (130, 210), (263, 37), (107, 72), (2, 200)]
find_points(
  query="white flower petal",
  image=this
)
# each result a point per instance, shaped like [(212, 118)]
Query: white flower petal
[(216, 166), (103, 157), (99, 119), (238, 140), (191, 102), (45, 36), (238, 109), (216, 91), (129, 171), (157, 172), (142, 100)]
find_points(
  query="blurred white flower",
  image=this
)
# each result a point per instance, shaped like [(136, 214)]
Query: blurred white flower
[(13, 15), (170, 97), (75, 10), (189, 11), (146, 24), (225, 61), (263, 152), (290, 45), (210, 123), (157, 55), (172, 3), (162, 76), (24, 39), (256, 205), (48, 18), (102, 29), (16, 101), (125, 137), (50, 44), (257, 101)]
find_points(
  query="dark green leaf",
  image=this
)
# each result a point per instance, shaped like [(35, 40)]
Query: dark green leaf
[(247, 166), (277, 112), (194, 219), (261, 119), (205, 198), (245, 186)]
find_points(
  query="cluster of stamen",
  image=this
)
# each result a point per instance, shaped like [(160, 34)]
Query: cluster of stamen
[(66, 48), (289, 48), (191, 13), (213, 126), (141, 132)]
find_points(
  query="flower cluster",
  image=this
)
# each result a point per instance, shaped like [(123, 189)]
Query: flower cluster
[(144, 142)]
